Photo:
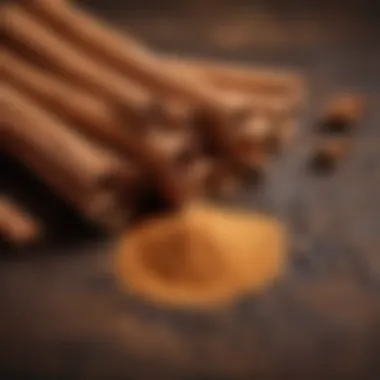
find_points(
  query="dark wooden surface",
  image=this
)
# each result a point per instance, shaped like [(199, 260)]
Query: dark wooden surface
[(61, 314)]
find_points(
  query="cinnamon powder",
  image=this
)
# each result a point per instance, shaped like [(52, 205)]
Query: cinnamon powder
[(201, 256)]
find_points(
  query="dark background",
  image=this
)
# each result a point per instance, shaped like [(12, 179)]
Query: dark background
[(61, 314)]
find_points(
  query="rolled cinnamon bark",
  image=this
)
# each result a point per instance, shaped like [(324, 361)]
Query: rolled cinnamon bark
[(101, 207), (90, 114), (239, 77), (133, 59), (274, 105), (70, 62), (96, 117), (16, 225), (89, 165), (226, 75), (93, 115), (76, 169), (123, 51)]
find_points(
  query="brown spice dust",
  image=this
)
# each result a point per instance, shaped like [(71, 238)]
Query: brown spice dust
[(201, 256)]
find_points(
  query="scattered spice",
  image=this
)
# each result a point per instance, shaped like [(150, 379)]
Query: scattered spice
[(201, 256), (342, 113), (328, 153)]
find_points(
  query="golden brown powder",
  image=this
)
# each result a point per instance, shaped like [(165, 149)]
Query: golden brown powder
[(202, 256)]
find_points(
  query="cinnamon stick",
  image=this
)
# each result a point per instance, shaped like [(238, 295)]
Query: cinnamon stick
[(70, 62), (16, 225), (123, 51), (88, 164), (277, 105), (228, 75), (96, 117), (133, 59), (90, 114), (104, 208), (76, 169), (233, 76)]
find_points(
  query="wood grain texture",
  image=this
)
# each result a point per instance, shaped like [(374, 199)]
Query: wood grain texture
[(62, 315)]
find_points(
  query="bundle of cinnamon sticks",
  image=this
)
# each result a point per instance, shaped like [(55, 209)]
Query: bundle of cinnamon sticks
[(100, 117)]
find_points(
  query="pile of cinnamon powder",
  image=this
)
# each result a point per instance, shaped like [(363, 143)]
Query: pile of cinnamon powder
[(201, 256)]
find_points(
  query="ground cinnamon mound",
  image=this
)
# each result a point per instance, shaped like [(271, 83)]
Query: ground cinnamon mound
[(201, 256)]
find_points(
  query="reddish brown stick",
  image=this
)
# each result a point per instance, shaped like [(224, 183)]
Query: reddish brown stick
[(90, 113), (240, 77), (135, 60), (224, 75), (72, 63), (89, 165), (123, 51), (96, 117), (74, 168)]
